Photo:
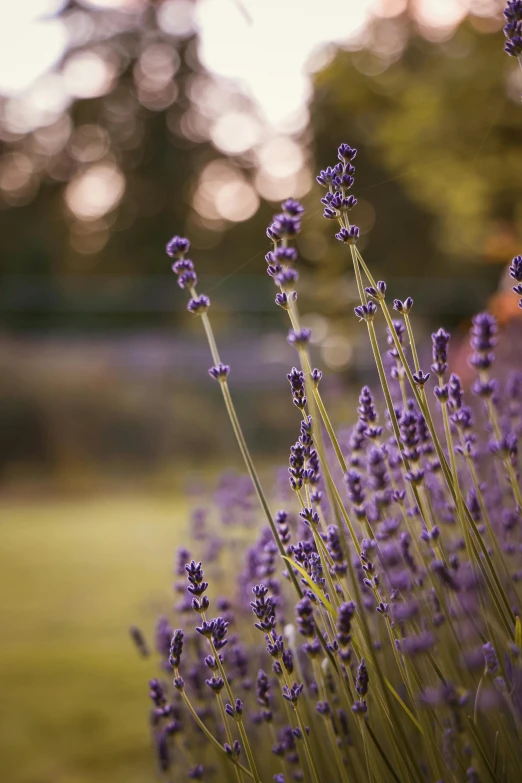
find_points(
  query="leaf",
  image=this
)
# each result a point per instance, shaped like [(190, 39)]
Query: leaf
[(518, 633), (313, 587), (403, 705)]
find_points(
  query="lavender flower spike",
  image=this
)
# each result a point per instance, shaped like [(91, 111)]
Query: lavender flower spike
[(176, 648), (513, 28)]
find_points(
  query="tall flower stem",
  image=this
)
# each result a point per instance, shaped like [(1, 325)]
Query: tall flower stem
[(493, 417), (240, 724), (209, 734), (485, 516), (329, 727), (227, 729), (245, 453), (471, 547)]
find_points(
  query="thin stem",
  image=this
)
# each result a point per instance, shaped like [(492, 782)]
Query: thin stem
[(507, 464), (412, 342), (440, 453), (308, 750), (242, 443), (253, 475), (239, 719), (227, 729), (210, 736)]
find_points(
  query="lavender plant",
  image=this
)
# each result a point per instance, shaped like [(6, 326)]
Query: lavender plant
[(373, 634)]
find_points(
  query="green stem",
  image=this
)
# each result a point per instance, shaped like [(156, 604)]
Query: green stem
[(440, 453), (210, 736), (412, 342), (507, 464), (227, 729), (241, 727)]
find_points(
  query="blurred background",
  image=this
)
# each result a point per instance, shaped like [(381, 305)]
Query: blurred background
[(123, 122)]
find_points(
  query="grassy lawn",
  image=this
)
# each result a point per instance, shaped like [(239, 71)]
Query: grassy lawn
[(73, 576)]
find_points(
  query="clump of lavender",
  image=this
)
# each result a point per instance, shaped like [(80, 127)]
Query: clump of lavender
[(373, 634)]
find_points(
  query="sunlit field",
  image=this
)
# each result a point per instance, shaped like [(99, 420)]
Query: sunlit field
[(74, 575)]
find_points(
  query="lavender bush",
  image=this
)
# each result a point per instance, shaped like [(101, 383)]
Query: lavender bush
[(372, 633)]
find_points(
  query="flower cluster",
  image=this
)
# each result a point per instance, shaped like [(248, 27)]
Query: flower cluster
[(385, 642)]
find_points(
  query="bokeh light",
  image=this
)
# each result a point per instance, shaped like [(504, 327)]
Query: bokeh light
[(95, 191), (88, 74)]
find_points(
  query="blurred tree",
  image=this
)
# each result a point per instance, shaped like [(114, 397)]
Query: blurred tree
[(438, 127), (106, 163), (99, 164)]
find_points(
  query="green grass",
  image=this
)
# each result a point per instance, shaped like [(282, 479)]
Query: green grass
[(73, 576)]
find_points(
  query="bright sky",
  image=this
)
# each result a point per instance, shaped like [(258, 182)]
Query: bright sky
[(265, 44)]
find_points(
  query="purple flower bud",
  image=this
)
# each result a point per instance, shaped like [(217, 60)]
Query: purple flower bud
[(326, 176), (162, 751), (403, 307), (483, 341), (187, 279), (284, 300), (361, 685), (490, 658), (286, 278), (199, 305), (316, 376), (441, 392), (515, 269), (440, 340), (323, 708), (292, 207), (215, 684), (366, 312), (235, 750), (182, 265), (513, 46), (416, 644), (305, 617), (345, 153), (348, 235), (299, 338), (219, 372), (177, 246), (206, 629), (292, 694), (176, 648), (310, 516), (421, 378), (157, 693), (283, 227), (379, 292), (283, 255), (484, 388), (513, 10), (137, 637)]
